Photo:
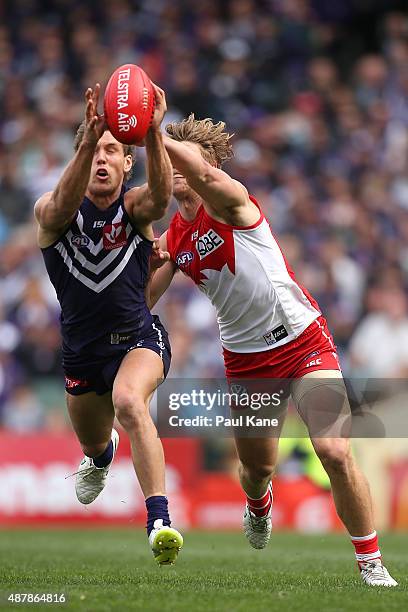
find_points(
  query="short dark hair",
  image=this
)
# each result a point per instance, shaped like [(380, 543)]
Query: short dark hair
[(127, 149)]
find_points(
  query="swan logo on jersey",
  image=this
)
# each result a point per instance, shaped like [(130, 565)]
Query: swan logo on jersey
[(80, 240), (184, 258), (114, 236), (208, 243)]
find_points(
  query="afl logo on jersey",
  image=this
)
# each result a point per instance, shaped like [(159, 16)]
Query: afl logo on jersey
[(80, 240), (184, 258)]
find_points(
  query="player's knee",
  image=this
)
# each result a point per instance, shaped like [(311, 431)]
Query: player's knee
[(334, 454), (130, 410)]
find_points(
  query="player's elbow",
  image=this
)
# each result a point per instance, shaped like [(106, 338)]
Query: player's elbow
[(43, 213), (206, 176), (49, 216)]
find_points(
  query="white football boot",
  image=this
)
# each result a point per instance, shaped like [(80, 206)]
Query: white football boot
[(90, 480), (165, 543), (258, 528), (375, 574)]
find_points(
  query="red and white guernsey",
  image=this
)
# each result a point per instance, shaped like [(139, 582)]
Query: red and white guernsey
[(259, 303)]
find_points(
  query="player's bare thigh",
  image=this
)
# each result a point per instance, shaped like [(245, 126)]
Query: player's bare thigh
[(321, 400), (140, 373), (92, 419)]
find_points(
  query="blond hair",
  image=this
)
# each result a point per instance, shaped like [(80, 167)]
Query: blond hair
[(127, 149), (212, 137)]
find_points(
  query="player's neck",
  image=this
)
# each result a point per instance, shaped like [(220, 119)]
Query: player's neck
[(103, 201), (188, 207)]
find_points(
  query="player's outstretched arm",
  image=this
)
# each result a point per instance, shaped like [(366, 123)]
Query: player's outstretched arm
[(212, 184), (162, 270), (152, 199), (55, 210)]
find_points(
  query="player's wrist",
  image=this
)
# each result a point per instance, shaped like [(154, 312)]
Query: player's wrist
[(88, 144), (154, 133)]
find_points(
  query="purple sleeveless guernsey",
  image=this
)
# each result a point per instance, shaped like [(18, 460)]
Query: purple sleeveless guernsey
[(99, 268)]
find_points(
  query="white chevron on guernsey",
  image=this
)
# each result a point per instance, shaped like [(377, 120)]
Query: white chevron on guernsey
[(104, 263), (107, 280), (92, 247)]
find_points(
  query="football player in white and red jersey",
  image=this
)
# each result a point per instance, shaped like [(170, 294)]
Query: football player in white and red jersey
[(270, 326)]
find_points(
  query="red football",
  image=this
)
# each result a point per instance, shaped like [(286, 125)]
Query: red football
[(129, 104)]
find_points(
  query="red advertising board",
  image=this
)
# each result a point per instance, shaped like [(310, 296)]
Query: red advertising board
[(36, 482), (399, 494), (37, 487)]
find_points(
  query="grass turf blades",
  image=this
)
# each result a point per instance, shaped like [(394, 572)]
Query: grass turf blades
[(112, 569)]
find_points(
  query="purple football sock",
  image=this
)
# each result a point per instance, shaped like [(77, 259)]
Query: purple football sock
[(157, 508), (105, 458)]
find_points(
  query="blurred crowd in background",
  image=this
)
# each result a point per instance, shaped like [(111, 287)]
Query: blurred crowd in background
[(317, 97)]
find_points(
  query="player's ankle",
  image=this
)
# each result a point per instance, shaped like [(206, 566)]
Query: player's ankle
[(157, 508), (260, 506), (105, 458), (366, 549)]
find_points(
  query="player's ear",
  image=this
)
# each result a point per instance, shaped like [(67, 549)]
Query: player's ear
[(128, 163)]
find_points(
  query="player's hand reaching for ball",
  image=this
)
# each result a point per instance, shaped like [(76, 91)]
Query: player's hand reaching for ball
[(159, 112), (95, 123), (161, 107), (158, 257)]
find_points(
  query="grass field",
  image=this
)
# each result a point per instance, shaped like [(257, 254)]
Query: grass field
[(103, 570)]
